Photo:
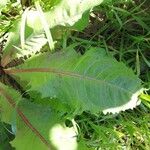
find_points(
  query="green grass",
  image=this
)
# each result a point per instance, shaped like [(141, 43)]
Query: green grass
[(127, 130)]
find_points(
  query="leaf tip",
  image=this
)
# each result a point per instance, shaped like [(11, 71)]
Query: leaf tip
[(131, 104)]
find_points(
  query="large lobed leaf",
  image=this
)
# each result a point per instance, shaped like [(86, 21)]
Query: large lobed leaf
[(94, 82)]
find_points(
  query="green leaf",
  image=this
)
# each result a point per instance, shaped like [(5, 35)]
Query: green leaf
[(36, 125), (66, 13), (36, 132), (3, 4), (45, 25), (13, 48), (8, 99), (82, 23), (41, 129), (93, 82), (33, 44)]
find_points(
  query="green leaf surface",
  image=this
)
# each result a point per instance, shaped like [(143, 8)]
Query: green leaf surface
[(42, 129), (36, 133), (66, 13), (82, 23), (36, 125), (8, 99), (94, 81)]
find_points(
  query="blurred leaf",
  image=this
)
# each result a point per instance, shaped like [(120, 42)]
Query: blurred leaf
[(3, 4)]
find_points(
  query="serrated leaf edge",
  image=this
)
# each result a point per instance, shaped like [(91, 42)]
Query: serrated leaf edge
[(134, 101)]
